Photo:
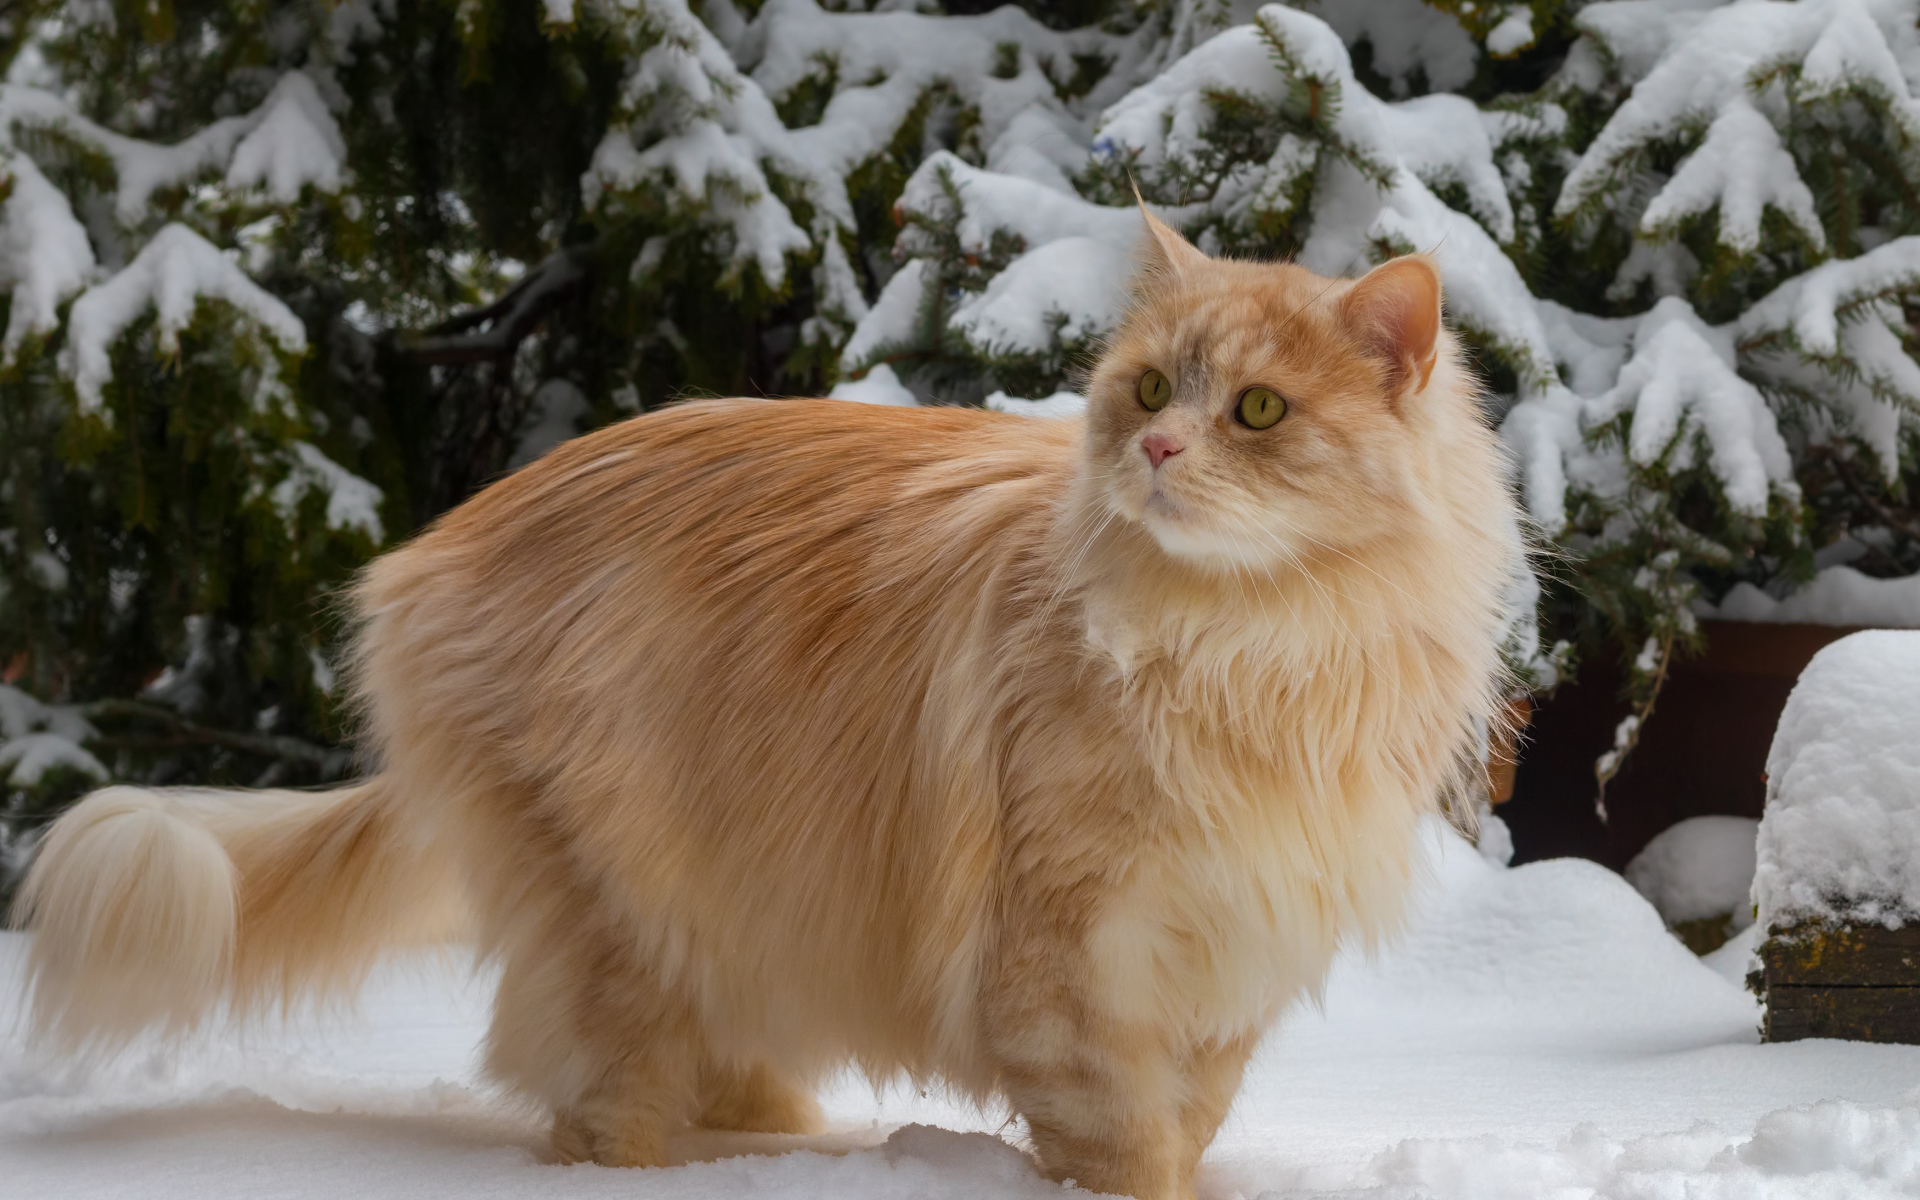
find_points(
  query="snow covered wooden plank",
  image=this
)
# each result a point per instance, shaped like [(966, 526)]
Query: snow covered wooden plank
[(1837, 886)]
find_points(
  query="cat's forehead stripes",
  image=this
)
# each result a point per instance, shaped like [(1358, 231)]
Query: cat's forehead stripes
[(1238, 329)]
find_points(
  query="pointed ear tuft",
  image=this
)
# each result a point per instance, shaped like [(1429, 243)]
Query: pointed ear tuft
[(1395, 311), (1163, 251)]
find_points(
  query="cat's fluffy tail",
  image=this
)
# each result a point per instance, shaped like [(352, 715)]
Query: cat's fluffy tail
[(158, 908)]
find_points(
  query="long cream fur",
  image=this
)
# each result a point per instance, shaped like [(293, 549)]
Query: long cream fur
[(756, 737)]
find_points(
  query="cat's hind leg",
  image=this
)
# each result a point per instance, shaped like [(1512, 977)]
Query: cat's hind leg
[(754, 1099)]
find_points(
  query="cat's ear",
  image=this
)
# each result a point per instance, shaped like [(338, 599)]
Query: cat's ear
[(1163, 251), (1395, 311)]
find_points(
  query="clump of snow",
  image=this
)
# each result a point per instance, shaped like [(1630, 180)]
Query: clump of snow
[(173, 272), (558, 407), (1060, 404), (352, 502), (295, 142), (1739, 957), (26, 759), (1838, 595), (893, 320), (36, 737), (1840, 840), (879, 386), (45, 256), (1073, 289), (1513, 34), (1701, 867), (1828, 1149), (1811, 306)]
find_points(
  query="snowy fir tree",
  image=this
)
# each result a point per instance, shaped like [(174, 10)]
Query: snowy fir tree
[(284, 279)]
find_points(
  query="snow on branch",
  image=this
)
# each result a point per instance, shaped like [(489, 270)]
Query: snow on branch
[(289, 141), (172, 274), (1806, 311), (1681, 387), (294, 142), (1724, 79), (1004, 65), (35, 738), (1066, 278), (352, 502), (45, 256), (699, 125)]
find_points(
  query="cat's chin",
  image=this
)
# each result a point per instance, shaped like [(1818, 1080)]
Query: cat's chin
[(1202, 549)]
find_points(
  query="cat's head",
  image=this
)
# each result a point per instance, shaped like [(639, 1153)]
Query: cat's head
[(1247, 413)]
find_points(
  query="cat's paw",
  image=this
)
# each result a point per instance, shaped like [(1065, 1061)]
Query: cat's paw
[(630, 1140)]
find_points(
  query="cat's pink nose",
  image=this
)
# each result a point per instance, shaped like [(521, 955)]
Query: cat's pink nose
[(1160, 447)]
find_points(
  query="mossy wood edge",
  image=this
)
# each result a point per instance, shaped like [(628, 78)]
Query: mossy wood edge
[(1857, 982)]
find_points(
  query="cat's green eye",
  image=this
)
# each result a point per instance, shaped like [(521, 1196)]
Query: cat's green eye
[(1155, 391), (1261, 408)]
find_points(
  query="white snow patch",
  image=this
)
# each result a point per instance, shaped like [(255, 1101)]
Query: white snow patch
[(1060, 405), (35, 737), (1075, 287), (1406, 36), (1681, 386), (894, 318), (1513, 34), (879, 386), (26, 759), (1838, 595)]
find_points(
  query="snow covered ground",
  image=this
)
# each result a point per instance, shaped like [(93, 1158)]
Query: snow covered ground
[(1536, 1034)]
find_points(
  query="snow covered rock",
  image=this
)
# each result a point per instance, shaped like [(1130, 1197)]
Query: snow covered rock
[(1698, 875), (1840, 841)]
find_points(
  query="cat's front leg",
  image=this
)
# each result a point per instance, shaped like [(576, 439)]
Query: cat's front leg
[(1105, 1102), (1213, 1072)]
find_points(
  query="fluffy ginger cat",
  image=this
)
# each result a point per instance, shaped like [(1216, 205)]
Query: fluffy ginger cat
[(1048, 759)]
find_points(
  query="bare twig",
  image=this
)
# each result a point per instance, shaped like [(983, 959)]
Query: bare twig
[(1886, 516), (1627, 734), (181, 731), (507, 321)]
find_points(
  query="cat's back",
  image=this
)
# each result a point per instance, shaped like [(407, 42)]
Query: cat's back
[(718, 546), (794, 469)]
